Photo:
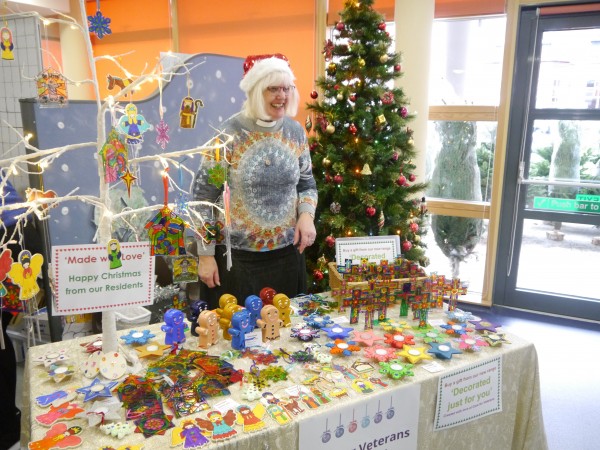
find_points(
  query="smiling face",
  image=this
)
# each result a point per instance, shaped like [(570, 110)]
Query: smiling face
[(276, 98)]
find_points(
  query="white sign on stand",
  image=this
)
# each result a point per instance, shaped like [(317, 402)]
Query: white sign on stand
[(469, 394), (374, 249), (84, 281), (389, 420)]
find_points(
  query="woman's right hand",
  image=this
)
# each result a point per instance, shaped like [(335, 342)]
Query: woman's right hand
[(208, 271)]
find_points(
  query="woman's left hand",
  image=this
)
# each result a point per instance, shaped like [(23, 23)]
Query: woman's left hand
[(305, 233)]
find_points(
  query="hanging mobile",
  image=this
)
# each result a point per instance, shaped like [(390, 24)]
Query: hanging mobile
[(6, 43), (189, 109), (132, 125), (52, 88), (99, 24), (114, 157)]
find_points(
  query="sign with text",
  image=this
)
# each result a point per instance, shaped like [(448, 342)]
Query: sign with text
[(389, 420), (374, 248), (580, 204), (91, 278), (469, 394)]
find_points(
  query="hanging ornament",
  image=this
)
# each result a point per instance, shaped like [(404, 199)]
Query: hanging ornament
[(401, 181), (317, 275), (52, 88), (370, 211), (414, 227), (384, 58), (403, 111), (314, 95), (25, 273), (330, 129), (381, 220), (340, 26), (338, 179), (395, 156), (328, 49), (330, 241), (406, 246), (326, 162), (381, 120), (412, 177), (353, 189), (6, 262), (322, 262), (340, 96), (410, 141), (189, 112), (132, 125), (119, 82), (335, 207), (366, 170), (6, 44), (98, 24), (387, 98), (353, 97), (128, 178), (114, 157), (381, 26), (308, 123), (331, 68), (313, 145), (397, 68), (352, 129), (361, 62), (162, 134)]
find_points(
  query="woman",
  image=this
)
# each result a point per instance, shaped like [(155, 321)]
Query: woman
[(273, 194)]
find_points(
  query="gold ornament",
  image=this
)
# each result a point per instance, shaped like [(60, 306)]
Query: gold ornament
[(330, 129), (326, 162), (308, 123), (353, 189), (411, 141), (322, 262), (340, 96), (381, 220), (332, 68), (384, 58), (366, 170), (381, 120), (361, 62)]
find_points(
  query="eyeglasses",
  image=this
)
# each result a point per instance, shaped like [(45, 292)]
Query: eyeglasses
[(284, 89)]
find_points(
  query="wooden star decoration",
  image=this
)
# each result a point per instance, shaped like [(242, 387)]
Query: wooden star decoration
[(399, 340), (366, 337), (128, 178), (414, 355), (443, 350), (483, 324), (380, 353), (152, 349), (494, 339), (97, 389), (337, 331), (471, 343)]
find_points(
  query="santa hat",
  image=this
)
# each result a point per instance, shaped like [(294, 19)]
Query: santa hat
[(256, 67)]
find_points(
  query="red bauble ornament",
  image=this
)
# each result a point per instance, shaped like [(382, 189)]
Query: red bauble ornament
[(401, 181), (330, 241), (412, 177), (352, 129), (340, 26), (395, 156), (353, 97), (338, 179), (318, 275), (327, 178), (406, 246), (397, 68), (313, 146), (266, 295), (403, 111), (414, 227), (314, 95), (336, 87), (381, 26), (370, 211)]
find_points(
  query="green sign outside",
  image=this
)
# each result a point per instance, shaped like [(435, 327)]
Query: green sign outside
[(588, 198), (565, 204)]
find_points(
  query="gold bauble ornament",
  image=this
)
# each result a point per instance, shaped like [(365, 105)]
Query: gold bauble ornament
[(384, 58), (326, 162), (361, 62), (411, 141), (340, 97), (332, 68), (330, 129)]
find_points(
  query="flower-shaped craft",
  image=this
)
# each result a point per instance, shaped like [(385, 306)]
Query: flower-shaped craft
[(366, 337), (97, 389), (52, 357), (304, 333), (443, 350), (342, 347), (380, 353), (396, 369), (432, 335), (337, 331), (391, 326), (317, 321), (494, 339), (137, 337), (456, 329), (460, 316), (482, 325), (471, 343), (59, 372), (99, 25), (414, 355), (398, 340)]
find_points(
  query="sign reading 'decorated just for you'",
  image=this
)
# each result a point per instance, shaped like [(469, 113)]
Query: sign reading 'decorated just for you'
[(88, 279), (374, 249), (469, 394), (390, 420)]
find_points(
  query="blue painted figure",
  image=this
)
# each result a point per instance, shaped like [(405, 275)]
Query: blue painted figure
[(174, 327), (253, 304), (240, 325), (195, 308)]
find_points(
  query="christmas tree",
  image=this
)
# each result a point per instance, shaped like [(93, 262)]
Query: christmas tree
[(362, 148)]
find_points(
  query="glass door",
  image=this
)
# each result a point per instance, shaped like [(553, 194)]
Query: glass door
[(548, 256)]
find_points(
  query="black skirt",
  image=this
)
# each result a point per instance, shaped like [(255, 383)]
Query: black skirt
[(283, 270)]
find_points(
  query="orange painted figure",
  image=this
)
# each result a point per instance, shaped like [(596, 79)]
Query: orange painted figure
[(269, 323), (282, 303), (225, 320), (59, 436), (207, 329)]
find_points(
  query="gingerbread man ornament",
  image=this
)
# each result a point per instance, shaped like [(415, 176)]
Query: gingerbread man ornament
[(269, 323), (207, 329)]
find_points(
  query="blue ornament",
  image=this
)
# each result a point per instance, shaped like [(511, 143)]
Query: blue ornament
[(99, 25)]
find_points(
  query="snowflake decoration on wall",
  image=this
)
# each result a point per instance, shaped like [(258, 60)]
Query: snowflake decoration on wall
[(99, 25), (162, 136)]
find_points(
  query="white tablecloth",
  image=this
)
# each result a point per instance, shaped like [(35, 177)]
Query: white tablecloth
[(518, 426)]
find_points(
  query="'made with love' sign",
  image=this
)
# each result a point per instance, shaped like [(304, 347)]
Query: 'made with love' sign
[(85, 281)]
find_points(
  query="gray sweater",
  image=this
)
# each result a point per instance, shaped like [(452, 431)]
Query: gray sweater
[(270, 180)]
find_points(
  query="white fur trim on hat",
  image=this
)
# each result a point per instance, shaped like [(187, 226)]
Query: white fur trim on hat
[(262, 68)]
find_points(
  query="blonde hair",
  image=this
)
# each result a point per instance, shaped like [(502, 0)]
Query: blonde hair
[(254, 106)]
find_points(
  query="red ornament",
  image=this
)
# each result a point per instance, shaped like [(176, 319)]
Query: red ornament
[(314, 95), (336, 87), (387, 98), (406, 246), (414, 227), (401, 181), (353, 97), (397, 68), (338, 179), (381, 26), (352, 129), (395, 156), (317, 275), (412, 177), (327, 178), (370, 211), (403, 111), (330, 241), (266, 295), (313, 146), (340, 26)]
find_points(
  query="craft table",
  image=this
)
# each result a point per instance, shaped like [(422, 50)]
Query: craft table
[(518, 426)]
